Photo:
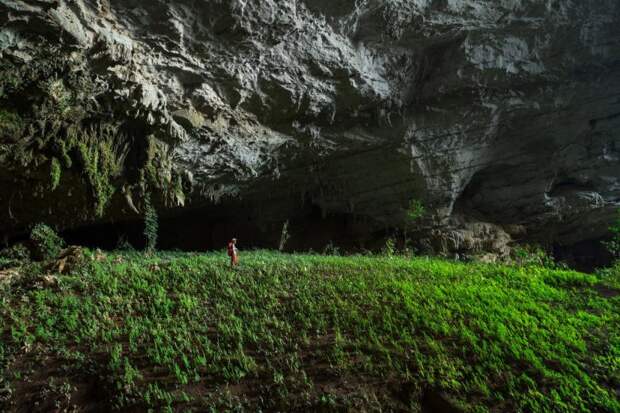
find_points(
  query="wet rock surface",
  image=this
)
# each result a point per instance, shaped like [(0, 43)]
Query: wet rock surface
[(492, 113)]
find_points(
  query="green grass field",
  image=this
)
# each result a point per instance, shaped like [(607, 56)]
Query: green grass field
[(183, 332)]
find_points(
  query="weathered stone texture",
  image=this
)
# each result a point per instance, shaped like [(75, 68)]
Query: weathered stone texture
[(506, 112)]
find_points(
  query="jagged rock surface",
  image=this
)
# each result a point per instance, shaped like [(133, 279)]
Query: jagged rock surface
[(506, 112)]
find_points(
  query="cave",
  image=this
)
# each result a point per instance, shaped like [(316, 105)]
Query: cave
[(210, 228), (479, 199), (410, 145)]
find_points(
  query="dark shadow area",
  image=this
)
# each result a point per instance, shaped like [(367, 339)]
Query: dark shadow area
[(210, 228), (477, 198), (585, 256), (568, 186), (107, 236)]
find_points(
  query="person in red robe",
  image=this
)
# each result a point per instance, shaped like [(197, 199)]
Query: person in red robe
[(233, 253)]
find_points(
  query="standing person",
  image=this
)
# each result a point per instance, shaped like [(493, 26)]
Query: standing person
[(233, 253)]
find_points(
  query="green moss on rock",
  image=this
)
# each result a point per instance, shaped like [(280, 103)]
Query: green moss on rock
[(102, 153), (11, 125), (61, 126), (55, 173)]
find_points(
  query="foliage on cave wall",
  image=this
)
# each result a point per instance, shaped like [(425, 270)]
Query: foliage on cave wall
[(102, 152), (56, 114), (159, 173)]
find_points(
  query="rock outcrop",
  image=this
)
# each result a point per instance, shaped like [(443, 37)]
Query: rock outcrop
[(501, 112)]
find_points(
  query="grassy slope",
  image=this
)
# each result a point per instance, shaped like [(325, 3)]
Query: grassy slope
[(307, 333)]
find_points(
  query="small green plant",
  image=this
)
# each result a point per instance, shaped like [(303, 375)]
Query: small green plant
[(613, 245), (55, 173), (151, 224), (389, 249), (59, 95), (415, 211), (46, 242), (284, 236)]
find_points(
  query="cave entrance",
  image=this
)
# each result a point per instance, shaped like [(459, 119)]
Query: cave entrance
[(477, 199), (210, 228), (586, 256)]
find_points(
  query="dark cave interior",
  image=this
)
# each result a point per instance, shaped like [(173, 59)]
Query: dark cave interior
[(207, 229), (201, 231)]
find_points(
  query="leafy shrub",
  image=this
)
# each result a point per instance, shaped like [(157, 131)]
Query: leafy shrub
[(13, 256), (611, 275), (17, 252), (532, 255), (151, 224), (46, 242)]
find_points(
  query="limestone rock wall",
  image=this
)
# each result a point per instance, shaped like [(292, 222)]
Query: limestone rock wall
[(498, 111)]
